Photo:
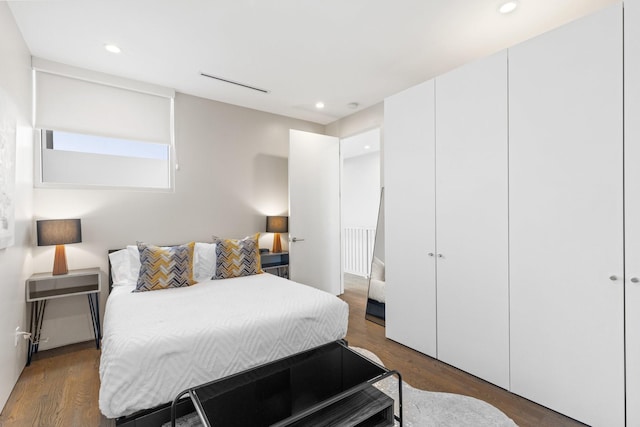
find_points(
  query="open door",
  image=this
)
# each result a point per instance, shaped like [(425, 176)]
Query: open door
[(314, 211)]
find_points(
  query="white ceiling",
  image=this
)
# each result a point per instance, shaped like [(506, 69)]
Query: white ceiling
[(302, 51), (360, 144)]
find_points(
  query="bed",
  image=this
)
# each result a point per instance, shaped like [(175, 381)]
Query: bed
[(157, 344)]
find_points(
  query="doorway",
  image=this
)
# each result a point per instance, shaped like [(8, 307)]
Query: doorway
[(360, 199)]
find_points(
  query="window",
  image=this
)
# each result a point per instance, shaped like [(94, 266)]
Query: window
[(102, 130), (72, 158)]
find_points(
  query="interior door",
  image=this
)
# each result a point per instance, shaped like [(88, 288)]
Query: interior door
[(314, 210), (472, 218), (566, 212)]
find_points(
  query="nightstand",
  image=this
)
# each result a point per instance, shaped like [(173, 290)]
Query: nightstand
[(42, 287), (276, 263)]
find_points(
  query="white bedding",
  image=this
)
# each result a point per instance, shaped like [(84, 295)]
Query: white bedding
[(159, 343), (376, 290)]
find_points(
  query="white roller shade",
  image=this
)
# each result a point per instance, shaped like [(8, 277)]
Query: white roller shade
[(93, 103)]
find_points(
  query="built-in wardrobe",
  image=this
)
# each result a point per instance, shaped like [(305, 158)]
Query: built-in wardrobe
[(513, 218), (632, 207)]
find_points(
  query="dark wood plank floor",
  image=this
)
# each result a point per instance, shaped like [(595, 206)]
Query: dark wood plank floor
[(60, 388)]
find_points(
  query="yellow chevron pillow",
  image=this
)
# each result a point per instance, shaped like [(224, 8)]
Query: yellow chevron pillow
[(163, 267), (237, 258)]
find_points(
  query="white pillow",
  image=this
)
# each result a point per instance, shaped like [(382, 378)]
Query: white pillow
[(377, 269), (119, 267), (376, 290), (204, 261), (125, 264), (134, 263)]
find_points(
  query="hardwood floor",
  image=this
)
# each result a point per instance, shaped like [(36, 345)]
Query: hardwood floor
[(426, 373), (60, 388)]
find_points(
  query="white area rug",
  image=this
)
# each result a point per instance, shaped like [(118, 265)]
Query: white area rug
[(422, 408), (432, 409)]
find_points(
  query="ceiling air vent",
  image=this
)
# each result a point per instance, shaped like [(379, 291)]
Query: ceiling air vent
[(234, 83)]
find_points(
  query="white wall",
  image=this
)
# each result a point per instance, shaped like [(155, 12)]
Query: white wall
[(369, 118), (360, 190), (15, 93), (364, 120), (233, 172)]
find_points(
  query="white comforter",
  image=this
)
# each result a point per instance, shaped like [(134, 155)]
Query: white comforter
[(377, 290), (159, 343)]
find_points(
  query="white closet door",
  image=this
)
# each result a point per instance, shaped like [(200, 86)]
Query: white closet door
[(632, 206), (566, 213), (409, 218), (472, 219)]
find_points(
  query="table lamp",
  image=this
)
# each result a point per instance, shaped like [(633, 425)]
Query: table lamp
[(277, 225), (59, 232)]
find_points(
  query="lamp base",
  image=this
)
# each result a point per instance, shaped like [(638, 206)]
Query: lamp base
[(60, 261), (277, 243)]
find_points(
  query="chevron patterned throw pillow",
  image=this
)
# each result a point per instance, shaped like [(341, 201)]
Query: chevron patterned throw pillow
[(236, 258), (163, 267)]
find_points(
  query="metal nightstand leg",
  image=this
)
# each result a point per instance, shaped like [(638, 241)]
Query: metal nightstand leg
[(94, 307), (37, 315)]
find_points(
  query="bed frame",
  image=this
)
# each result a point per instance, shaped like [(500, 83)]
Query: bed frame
[(109, 252), (157, 416)]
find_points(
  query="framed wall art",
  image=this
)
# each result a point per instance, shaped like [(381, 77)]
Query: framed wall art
[(8, 122)]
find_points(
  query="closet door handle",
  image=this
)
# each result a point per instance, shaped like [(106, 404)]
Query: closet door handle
[(634, 280), (440, 256), (613, 278), (430, 254)]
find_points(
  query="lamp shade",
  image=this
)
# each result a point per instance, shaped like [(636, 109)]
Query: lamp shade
[(277, 224), (58, 231)]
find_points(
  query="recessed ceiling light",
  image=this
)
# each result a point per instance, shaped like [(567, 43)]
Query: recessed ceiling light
[(366, 147), (319, 105), (508, 7), (112, 48)]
